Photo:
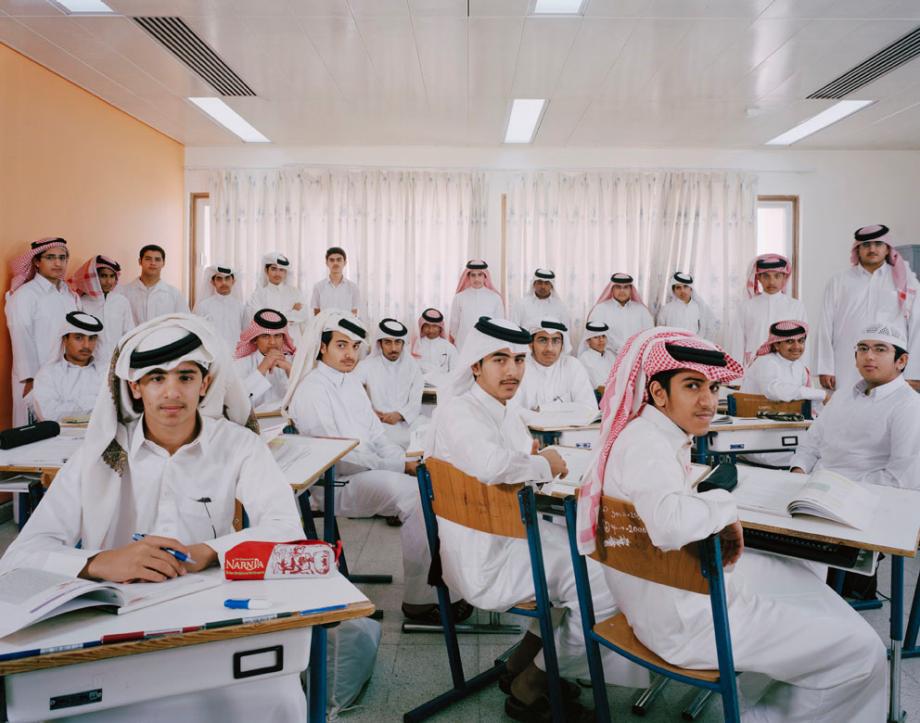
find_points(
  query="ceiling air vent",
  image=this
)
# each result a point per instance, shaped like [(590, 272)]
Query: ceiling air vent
[(898, 53), (179, 39)]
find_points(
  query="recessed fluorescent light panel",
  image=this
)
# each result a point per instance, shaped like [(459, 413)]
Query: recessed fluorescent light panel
[(229, 119), (833, 114), (85, 6), (524, 119), (558, 7)]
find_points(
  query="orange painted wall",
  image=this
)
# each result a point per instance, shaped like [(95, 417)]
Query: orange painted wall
[(71, 165)]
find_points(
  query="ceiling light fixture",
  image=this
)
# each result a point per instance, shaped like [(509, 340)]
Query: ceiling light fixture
[(524, 119), (84, 7), (836, 112), (558, 7), (229, 119)]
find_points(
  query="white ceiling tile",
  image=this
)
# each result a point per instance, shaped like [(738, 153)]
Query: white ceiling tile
[(25, 8), (493, 51), (443, 54), (376, 8), (545, 46), (438, 8), (500, 8), (595, 50)]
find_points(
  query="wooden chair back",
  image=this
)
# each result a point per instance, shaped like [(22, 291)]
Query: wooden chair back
[(466, 501), (747, 405), (623, 544)]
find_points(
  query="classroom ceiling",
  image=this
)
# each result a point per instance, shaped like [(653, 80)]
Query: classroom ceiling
[(655, 73)]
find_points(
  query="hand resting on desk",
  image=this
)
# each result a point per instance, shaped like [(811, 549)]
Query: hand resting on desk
[(146, 561), (557, 466)]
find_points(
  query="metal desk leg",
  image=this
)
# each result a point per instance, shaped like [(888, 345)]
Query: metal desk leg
[(317, 676), (911, 649), (702, 449), (895, 714)]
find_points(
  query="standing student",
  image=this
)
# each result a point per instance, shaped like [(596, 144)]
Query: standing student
[(826, 662), (877, 288), (431, 348), (594, 354), (620, 307), (541, 302), (148, 294), (276, 291), (94, 282), (68, 384), (553, 375), (685, 309), (264, 355), (37, 301), (335, 292), (767, 303), (220, 302), (394, 382), (475, 297)]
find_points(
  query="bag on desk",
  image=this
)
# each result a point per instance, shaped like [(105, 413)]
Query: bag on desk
[(253, 560)]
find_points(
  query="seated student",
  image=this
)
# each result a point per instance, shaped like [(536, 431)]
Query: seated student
[(431, 348), (541, 302), (325, 398), (394, 382), (264, 354), (475, 296), (594, 354), (825, 661), (220, 302), (94, 282), (480, 433), (161, 458), (67, 386), (336, 293), (685, 309), (148, 295), (621, 308), (276, 290), (553, 374)]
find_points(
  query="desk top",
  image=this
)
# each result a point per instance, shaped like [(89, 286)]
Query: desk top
[(746, 424), (47, 454), (303, 460)]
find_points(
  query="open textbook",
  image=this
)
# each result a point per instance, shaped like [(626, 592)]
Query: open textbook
[(557, 415), (27, 596)]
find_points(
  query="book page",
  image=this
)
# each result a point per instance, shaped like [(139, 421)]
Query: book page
[(831, 495), (567, 414), (138, 595), (767, 490)]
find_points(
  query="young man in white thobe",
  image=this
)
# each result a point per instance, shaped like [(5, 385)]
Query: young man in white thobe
[(277, 291), (167, 455), (553, 375), (335, 292), (67, 386), (826, 662), (35, 304), (431, 348), (148, 294), (480, 431), (264, 357), (685, 309), (476, 296), (767, 303), (594, 354), (620, 307), (541, 302), (394, 382), (220, 302), (95, 281), (877, 288)]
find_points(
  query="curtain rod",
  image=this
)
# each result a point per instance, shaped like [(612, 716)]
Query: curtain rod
[(561, 169)]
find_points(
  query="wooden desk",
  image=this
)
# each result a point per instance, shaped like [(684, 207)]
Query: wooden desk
[(749, 436)]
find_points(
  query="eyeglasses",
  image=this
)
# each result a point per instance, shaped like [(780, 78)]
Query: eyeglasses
[(875, 348)]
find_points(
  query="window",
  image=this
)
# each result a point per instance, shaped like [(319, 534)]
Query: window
[(778, 231)]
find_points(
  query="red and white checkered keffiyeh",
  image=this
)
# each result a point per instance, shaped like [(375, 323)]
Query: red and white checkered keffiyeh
[(85, 280), (643, 356), (753, 285), (900, 270), (607, 295), (22, 268), (786, 325), (442, 330), (247, 343), (465, 283)]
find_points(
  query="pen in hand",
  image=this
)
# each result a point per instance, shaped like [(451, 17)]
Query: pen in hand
[(180, 556)]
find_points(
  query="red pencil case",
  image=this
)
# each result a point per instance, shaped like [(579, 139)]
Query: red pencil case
[(254, 560)]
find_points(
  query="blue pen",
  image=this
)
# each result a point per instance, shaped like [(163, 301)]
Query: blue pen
[(180, 556), (247, 604)]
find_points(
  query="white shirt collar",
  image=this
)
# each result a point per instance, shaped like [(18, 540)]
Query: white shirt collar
[(333, 375), (677, 437), (138, 438), (879, 392), (495, 408)]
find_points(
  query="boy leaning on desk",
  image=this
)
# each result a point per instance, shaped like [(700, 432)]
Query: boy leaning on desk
[(166, 455)]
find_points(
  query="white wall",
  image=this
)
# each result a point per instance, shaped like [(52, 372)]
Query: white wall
[(839, 190)]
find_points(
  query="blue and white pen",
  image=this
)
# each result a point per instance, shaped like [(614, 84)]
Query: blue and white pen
[(180, 556), (247, 604)]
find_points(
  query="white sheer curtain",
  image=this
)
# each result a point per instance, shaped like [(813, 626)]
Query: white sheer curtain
[(407, 233), (588, 225)]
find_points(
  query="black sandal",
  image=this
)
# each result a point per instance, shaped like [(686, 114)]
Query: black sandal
[(540, 711), (570, 691)]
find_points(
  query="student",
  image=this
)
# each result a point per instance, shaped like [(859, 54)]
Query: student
[(685, 309), (621, 308), (325, 398), (541, 302), (276, 291), (481, 433), (264, 354), (594, 354), (825, 661), (148, 295), (553, 374), (878, 287), (94, 282), (336, 293), (431, 348), (475, 297), (68, 384), (167, 454), (767, 302), (220, 302), (394, 382), (37, 301)]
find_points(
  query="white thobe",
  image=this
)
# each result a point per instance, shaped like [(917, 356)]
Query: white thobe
[(598, 365), (34, 314), (871, 438), (785, 622), (149, 302), (751, 327), (488, 440), (468, 306), (114, 311), (623, 320), (281, 297), (330, 403), (63, 389), (265, 390), (690, 316), (565, 381), (436, 356), (394, 386), (529, 311), (854, 299), (344, 296), (227, 314)]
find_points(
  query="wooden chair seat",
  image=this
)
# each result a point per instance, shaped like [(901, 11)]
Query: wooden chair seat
[(525, 605), (618, 632)]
